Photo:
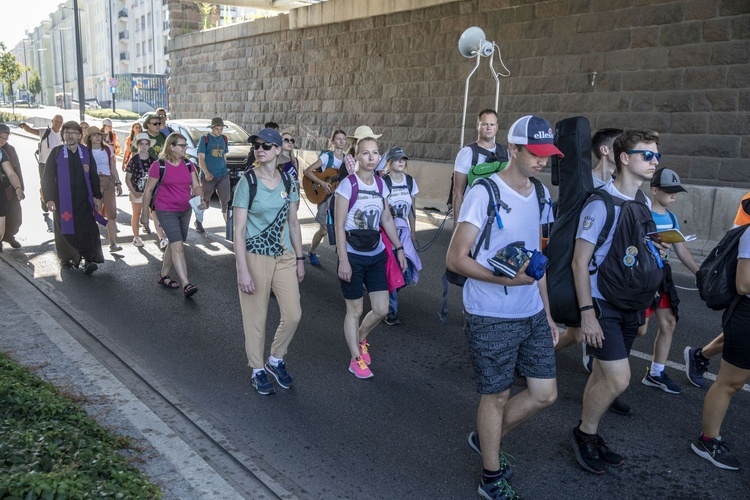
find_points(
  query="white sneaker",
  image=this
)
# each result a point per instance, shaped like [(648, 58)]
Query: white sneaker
[(163, 243), (137, 242)]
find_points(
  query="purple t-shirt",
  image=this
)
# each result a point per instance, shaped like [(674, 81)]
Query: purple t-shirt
[(174, 191)]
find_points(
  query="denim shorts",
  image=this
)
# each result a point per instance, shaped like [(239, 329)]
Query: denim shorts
[(501, 347), (175, 224), (367, 271), (620, 328)]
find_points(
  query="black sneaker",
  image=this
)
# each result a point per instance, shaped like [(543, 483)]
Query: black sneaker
[(392, 320), (199, 227), (280, 374), (662, 382), (262, 384), (695, 367), (14, 243), (586, 450), (506, 469), (499, 490), (716, 452), (90, 268), (620, 408), (608, 456)]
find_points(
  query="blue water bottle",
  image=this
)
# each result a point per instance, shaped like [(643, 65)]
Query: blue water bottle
[(329, 227)]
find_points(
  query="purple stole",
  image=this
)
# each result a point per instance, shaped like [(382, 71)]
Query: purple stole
[(65, 200)]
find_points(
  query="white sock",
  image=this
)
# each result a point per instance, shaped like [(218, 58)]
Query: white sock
[(656, 369), (274, 361), (256, 370)]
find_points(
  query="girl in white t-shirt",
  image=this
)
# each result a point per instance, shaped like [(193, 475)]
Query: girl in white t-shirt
[(327, 159), (361, 251), (109, 179), (403, 190)]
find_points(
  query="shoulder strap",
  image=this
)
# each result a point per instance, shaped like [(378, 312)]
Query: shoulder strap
[(410, 183), (252, 184), (494, 194), (539, 188), (379, 183), (46, 135), (388, 182), (162, 169), (355, 190), (673, 218), (641, 197), (287, 179), (205, 139), (609, 204)]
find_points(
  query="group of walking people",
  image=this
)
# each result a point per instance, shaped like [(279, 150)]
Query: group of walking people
[(367, 212)]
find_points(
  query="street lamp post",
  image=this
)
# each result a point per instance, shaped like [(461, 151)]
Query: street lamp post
[(41, 77), (62, 59), (79, 61)]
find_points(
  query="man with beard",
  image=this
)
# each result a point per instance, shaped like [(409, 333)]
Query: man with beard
[(70, 186), (13, 217)]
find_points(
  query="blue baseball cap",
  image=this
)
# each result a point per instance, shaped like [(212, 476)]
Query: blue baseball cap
[(536, 134), (268, 135)]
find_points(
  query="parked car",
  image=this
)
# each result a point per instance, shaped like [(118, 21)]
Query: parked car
[(195, 129)]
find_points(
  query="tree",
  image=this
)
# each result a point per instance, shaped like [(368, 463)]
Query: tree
[(35, 84), (10, 68)]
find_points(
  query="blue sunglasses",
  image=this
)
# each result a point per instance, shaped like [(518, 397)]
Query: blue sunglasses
[(647, 155)]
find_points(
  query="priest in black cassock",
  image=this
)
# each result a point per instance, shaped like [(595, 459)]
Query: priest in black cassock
[(70, 187)]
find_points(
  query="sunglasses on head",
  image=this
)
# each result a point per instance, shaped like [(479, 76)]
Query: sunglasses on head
[(288, 139), (647, 155), (265, 145)]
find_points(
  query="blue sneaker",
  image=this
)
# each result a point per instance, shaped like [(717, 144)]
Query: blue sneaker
[(280, 374), (499, 490), (262, 384), (695, 367), (662, 381), (505, 467), (314, 260)]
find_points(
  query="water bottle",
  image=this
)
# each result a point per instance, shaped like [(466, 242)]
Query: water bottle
[(329, 227)]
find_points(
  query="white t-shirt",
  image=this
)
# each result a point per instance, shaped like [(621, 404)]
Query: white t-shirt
[(590, 224), (400, 198), (463, 159), (598, 182), (366, 211), (324, 157), (521, 224), (744, 248), (102, 161), (53, 140)]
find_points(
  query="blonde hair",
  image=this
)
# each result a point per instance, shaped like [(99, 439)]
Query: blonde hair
[(166, 152)]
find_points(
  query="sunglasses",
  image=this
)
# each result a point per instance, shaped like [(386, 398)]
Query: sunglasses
[(647, 155), (266, 146), (154, 123), (287, 139)]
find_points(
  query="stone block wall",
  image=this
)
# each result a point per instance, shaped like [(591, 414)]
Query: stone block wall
[(681, 67)]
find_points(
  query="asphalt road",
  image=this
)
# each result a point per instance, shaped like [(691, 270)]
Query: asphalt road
[(403, 433)]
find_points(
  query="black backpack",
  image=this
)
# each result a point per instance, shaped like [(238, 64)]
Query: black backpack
[(492, 206), (499, 155), (629, 276), (717, 276), (252, 181)]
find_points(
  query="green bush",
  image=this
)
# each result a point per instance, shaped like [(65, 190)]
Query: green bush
[(51, 449), (120, 114), (6, 116)]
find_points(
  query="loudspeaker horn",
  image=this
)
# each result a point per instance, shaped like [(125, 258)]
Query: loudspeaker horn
[(473, 41)]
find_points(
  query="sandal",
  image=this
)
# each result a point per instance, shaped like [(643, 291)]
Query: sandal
[(189, 290), (167, 282)]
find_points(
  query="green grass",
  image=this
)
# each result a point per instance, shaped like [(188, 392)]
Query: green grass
[(51, 449), (120, 114)]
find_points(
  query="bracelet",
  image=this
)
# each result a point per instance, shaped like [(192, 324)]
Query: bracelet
[(118, 183), (399, 248), (586, 308), (301, 258)]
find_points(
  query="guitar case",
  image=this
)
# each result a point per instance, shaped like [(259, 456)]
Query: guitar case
[(572, 174)]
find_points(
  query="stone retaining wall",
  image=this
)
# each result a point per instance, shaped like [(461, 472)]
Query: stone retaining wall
[(680, 67)]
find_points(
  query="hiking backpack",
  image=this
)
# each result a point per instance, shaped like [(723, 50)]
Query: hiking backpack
[(631, 272), (499, 155), (494, 204), (717, 277), (252, 181)]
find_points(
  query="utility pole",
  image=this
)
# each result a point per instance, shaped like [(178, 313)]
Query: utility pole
[(79, 61), (62, 57), (111, 51)]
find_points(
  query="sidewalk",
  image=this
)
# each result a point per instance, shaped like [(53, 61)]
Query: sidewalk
[(36, 335)]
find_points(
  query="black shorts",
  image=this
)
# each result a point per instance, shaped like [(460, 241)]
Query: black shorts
[(367, 271), (4, 200), (737, 335), (620, 329)]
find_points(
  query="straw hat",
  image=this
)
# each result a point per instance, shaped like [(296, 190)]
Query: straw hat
[(143, 136), (92, 131), (362, 132)]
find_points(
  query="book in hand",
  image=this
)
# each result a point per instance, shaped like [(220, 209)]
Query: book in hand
[(671, 236)]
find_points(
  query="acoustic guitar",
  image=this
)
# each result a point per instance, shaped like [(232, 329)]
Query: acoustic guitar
[(315, 193)]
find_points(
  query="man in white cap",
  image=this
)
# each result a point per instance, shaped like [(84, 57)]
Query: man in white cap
[(508, 325)]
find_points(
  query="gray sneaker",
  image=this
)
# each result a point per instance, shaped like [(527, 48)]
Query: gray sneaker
[(695, 367), (499, 490), (716, 452), (506, 468)]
